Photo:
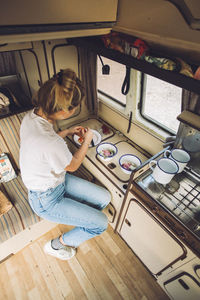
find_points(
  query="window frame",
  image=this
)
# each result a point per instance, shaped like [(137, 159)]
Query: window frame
[(123, 109), (112, 98), (106, 97), (142, 102)]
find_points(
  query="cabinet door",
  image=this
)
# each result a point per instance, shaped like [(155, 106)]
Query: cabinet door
[(148, 239), (183, 287)]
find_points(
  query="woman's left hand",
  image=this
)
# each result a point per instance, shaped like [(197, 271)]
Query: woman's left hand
[(79, 130)]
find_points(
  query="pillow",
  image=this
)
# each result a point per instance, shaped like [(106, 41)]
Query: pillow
[(4, 104), (7, 171), (5, 204)]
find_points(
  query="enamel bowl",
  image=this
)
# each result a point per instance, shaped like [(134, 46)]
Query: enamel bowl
[(106, 151), (128, 162)]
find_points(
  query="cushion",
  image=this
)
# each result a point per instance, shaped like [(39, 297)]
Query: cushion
[(5, 204)]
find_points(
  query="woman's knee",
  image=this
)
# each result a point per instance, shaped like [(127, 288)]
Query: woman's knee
[(104, 223), (107, 199), (100, 226)]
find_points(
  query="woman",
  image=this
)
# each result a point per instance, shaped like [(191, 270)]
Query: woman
[(44, 159)]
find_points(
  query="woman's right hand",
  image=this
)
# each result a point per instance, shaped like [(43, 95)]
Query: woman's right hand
[(88, 136), (79, 155)]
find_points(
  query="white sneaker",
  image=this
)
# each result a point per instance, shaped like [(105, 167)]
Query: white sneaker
[(65, 253)]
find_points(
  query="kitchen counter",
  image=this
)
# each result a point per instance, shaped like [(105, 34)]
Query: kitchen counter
[(111, 169)]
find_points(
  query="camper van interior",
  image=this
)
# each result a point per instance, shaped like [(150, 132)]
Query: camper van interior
[(140, 64)]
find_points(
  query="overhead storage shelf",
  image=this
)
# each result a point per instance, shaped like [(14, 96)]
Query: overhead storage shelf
[(18, 110), (95, 45), (41, 28)]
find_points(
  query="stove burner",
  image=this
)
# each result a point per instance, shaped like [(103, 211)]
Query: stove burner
[(181, 197), (172, 187), (150, 184), (158, 188)]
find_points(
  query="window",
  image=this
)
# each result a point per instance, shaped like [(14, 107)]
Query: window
[(110, 85), (160, 102)]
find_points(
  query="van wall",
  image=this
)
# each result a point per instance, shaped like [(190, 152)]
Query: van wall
[(137, 134), (61, 55), (38, 63)]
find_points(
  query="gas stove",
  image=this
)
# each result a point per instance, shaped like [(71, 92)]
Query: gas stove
[(181, 197)]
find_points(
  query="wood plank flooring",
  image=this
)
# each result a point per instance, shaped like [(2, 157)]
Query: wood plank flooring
[(104, 268)]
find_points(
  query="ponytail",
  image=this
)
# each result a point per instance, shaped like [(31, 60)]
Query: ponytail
[(62, 92)]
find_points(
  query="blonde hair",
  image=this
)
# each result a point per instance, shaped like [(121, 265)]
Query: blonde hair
[(62, 92)]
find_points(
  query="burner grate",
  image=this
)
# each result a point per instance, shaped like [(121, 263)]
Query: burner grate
[(185, 202), (181, 197)]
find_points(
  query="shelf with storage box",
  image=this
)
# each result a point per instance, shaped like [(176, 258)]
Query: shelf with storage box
[(15, 111), (96, 45), (13, 99)]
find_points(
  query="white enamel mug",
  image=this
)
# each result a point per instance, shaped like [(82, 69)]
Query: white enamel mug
[(181, 157), (164, 170)]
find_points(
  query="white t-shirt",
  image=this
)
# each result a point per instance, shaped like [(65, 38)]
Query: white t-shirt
[(43, 154)]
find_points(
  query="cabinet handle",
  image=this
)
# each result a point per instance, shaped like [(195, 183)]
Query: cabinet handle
[(155, 209), (127, 222), (183, 235), (169, 222), (110, 212), (184, 285)]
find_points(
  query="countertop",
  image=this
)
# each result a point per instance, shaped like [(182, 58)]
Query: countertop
[(123, 144)]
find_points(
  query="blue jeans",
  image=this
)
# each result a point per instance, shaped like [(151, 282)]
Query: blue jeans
[(75, 202)]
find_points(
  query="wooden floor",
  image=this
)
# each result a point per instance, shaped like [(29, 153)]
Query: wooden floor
[(104, 268)]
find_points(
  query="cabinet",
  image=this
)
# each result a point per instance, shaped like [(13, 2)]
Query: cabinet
[(184, 282), (150, 241), (183, 287)]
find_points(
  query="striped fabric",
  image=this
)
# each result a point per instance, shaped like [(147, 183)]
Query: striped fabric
[(21, 215)]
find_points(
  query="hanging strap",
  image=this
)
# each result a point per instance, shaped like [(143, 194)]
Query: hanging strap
[(105, 68), (126, 83)]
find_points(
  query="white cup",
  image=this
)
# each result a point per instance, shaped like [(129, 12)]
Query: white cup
[(181, 157), (165, 169)]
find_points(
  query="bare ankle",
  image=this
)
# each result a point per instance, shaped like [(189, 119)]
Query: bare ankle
[(61, 240)]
